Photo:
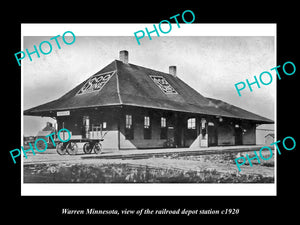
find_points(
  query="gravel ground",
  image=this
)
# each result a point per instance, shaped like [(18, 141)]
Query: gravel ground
[(40, 167)]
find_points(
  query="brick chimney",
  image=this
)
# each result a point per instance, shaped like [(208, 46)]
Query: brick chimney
[(172, 70), (124, 56)]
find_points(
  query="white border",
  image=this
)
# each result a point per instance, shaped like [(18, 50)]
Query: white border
[(148, 189), (129, 29), (154, 189)]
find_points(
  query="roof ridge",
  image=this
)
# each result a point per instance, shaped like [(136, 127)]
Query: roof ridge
[(147, 68), (118, 84)]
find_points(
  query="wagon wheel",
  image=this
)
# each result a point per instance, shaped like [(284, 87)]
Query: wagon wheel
[(60, 148), (72, 148), (97, 148), (41, 145), (87, 148)]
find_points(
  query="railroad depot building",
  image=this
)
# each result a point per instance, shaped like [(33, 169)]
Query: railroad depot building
[(133, 107)]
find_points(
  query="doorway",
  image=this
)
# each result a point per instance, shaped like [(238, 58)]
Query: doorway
[(212, 136), (238, 136)]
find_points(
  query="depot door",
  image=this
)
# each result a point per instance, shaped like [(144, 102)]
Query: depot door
[(212, 136), (238, 136)]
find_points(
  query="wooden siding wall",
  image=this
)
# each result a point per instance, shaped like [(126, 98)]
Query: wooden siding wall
[(225, 134), (138, 140), (115, 131), (249, 136)]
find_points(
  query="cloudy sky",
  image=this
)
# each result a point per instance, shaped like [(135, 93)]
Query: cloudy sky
[(211, 65)]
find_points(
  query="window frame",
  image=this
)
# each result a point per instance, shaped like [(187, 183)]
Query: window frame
[(128, 121), (129, 131), (191, 128), (147, 128), (191, 123), (163, 128)]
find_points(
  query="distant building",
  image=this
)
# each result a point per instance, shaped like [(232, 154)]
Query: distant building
[(29, 139), (138, 107), (265, 134), (44, 133), (269, 138)]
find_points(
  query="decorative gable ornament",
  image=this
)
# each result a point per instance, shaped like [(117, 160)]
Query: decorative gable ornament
[(96, 83), (163, 84)]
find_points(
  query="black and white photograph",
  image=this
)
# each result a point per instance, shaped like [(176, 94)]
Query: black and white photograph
[(144, 111), (163, 112)]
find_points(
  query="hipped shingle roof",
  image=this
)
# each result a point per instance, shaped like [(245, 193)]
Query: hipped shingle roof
[(132, 85)]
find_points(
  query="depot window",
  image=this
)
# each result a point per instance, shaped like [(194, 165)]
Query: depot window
[(163, 128), (191, 124), (147, 127), (128, 121), (128, 127), (163, 122), (191, 132)]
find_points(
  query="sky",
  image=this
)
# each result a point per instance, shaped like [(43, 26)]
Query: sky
[(210, 65)]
